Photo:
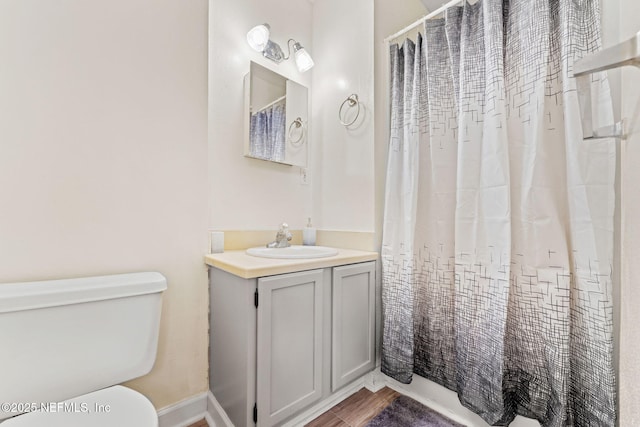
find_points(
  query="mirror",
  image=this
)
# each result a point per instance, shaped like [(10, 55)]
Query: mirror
[(276, 118)]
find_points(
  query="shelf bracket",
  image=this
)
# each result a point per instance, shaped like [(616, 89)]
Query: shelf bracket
[(623, 54), (616, 130)]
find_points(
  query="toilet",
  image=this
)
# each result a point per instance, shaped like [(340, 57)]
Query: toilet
[(66, 344)]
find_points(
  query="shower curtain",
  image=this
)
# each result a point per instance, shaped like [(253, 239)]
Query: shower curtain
[(267, 133), (498, 225)]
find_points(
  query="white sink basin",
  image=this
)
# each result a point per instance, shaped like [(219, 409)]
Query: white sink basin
[(293, 252)]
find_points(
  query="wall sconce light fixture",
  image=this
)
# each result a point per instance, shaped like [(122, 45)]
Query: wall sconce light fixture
[(258, 39)]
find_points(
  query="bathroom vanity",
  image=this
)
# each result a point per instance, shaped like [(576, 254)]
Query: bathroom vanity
[(287, 333)]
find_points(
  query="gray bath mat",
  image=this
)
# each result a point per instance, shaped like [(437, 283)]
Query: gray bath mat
[(406, 412)]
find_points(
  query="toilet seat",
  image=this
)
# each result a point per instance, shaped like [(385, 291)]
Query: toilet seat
[(115, 406)]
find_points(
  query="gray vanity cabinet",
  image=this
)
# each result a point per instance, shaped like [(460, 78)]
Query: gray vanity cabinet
[(352, 323), (281, 343), (290, 327)]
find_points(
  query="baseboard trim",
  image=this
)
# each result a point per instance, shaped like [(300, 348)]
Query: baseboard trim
[(216, 416), (206, 406), (320, 408), (184, 413), (375, 381)]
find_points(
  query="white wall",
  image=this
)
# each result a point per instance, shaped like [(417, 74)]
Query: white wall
[(611, 35), (103, 158), (343, 175), (250, 194), (629, 368)]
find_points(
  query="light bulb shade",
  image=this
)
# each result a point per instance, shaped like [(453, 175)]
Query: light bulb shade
[(258, 37), (303, 59)]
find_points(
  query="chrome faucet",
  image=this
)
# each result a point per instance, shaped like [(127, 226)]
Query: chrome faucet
[(282, 237)]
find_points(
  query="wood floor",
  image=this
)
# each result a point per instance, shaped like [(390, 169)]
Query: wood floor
[(355, 411), (201, 423)]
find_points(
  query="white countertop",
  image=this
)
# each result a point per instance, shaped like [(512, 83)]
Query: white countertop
[(249, 267)]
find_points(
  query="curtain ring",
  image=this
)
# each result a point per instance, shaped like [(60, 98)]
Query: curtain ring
[(352, 100), (298, 123)]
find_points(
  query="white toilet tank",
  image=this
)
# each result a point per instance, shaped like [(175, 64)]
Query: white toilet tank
[(64, 338)]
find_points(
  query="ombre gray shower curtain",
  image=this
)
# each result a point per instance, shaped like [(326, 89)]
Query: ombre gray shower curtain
[(498, 228)]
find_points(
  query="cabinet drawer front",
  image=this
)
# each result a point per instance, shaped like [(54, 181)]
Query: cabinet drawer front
[(289, 344), (353, 323)]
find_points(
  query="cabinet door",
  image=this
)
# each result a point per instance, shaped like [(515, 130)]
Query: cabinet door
[(353, 323), (289, 344)]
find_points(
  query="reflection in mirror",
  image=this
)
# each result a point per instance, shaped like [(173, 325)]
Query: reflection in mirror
[(275, 117)]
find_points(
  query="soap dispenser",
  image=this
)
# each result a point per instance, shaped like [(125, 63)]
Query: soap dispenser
[(309, 235)]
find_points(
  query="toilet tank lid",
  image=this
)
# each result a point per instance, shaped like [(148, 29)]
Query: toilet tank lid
[(51, 293)]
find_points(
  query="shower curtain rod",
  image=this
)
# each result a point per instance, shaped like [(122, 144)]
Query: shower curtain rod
[(282, 98), (433, 14)]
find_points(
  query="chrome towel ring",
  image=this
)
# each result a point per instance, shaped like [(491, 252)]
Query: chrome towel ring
[(351, 101), (298, 125)]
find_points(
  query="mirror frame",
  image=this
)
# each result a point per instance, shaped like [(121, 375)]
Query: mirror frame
[(296, 116)]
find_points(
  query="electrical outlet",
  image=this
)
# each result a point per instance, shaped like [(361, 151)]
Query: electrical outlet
[(304, 176)]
